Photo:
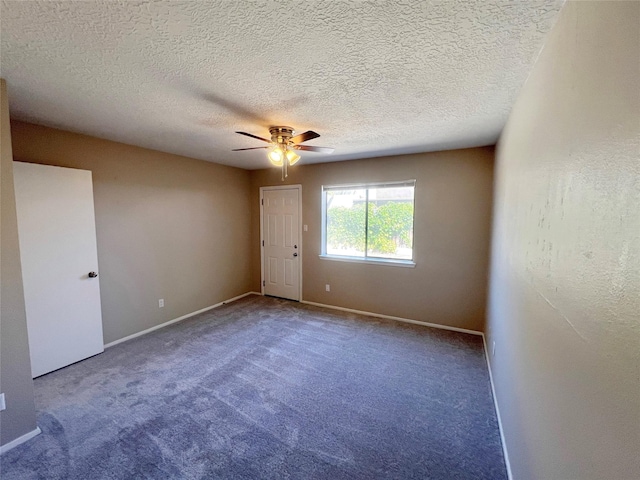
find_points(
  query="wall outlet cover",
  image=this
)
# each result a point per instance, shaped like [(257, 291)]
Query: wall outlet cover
[(3, 405)]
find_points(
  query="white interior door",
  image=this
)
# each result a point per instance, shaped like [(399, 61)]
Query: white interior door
[(281, 237), (56, 227)]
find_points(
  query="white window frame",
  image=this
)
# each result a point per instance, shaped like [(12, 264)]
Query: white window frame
[(370, 260)]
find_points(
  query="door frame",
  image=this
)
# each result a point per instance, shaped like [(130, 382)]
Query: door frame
[(300, 255)]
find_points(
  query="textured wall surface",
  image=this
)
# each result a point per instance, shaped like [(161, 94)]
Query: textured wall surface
[(15, 365), (451, 237), (167, 227), (564, 308), (373, 78)]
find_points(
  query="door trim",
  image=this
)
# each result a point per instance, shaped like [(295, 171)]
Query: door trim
[(301, 254)]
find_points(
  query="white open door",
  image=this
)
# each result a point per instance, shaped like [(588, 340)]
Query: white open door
[(56, 228), (281, 250)]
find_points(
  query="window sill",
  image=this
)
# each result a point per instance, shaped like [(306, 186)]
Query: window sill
[(371, 261)]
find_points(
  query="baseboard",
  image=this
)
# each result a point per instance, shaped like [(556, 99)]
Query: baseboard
[(20, 440), (398, 319), (495, 404), (175, 320)]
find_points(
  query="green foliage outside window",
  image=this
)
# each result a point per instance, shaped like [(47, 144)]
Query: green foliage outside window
[(390, 226)]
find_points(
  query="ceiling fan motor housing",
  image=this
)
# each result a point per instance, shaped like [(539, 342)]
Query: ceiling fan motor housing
[(281, 135)]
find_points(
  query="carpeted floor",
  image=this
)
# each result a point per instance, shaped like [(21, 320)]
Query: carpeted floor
[(267, 388)]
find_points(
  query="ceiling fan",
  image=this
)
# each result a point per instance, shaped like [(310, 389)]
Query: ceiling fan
[(282, 146)]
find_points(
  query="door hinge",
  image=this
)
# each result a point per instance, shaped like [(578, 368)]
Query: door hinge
[(262, 201), (263, 243), (263, 283)]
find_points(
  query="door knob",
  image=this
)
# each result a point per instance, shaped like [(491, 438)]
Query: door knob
[(295, 254), (93, 274)]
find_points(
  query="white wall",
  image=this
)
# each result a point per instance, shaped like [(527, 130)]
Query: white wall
[(564, 302)]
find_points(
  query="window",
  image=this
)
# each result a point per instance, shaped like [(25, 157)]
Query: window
[(369, 222)]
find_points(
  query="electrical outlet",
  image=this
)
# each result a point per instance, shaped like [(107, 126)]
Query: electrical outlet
[(3, 405), (493, 349), (161, 303), (327, 287), (306, 228)]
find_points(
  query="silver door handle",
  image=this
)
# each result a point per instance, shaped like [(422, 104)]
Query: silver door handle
[(295, 254), (93, 274)]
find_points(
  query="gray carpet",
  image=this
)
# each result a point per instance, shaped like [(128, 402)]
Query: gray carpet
[(267, 388)]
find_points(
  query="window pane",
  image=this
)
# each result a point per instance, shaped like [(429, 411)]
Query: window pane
[(390, 233), (346, 222)]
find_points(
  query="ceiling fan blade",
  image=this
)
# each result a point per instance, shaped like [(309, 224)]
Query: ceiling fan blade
[(310, 148), (305, 137), (253, 148), (254, 136)]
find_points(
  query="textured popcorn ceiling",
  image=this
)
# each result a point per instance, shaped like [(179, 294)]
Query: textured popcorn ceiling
[(373, 78)]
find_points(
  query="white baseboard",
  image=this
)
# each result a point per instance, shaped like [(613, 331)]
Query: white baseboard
[(495, 403), (398, 319), (20, 440), (175, 320)]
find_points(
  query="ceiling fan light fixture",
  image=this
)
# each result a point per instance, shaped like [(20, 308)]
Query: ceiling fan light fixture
[(292, 157), (276, 156), (281, 151)]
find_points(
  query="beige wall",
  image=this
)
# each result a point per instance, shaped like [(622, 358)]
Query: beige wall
[(167, 226), (564, 307), (15, 365), (451, 237)]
